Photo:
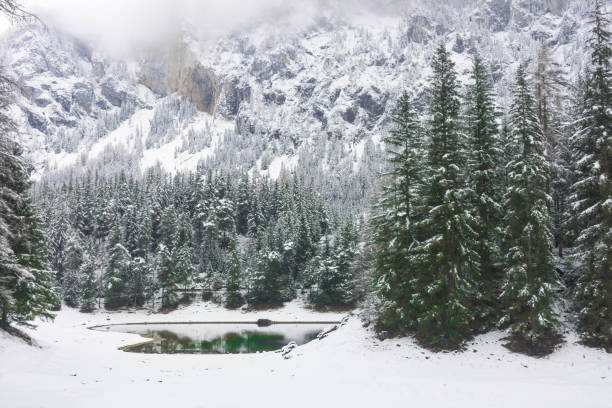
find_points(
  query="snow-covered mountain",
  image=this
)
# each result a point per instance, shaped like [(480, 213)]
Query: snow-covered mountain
[(262, 99)]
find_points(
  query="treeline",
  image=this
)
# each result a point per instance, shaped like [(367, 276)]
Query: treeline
[(134, 241), (465, 230)]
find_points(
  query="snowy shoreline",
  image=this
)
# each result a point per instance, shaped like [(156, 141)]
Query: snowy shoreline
[(77, 367)]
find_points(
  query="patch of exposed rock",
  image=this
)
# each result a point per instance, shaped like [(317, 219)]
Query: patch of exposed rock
[(179, 71)]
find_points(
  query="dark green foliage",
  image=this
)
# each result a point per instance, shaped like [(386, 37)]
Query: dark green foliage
[(184, 267), (592, 191), (193, 216), (170, 229), (57, 230), (304, 248), (167, 227), (207, 280), (439, 223), (427, 263), (35, 295), (265, 280), (26, 282), (485, 179), (167, 275), (445, 294), (117, 271), (89, 288), (331, 273), (243, 205), (72, 263), (233, 297), (72, 288), (396, 217), (140, 276), (530, 277)]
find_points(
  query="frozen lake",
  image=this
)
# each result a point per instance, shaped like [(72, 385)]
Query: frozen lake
[(215, 338)]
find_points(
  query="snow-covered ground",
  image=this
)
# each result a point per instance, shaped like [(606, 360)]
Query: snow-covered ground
[(77, 367)]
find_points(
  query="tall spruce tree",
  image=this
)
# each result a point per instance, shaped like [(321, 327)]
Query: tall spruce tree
[(304, 247), (89, 289), (395, 221), (26, 281), (243, 205), (116, 275), (332, 275), (233, 297), (140, 276), (592, 191), (206, 280), (265, 287), (446, 293), (530, 277), (484, 155), (167, 275), (35, 295), (58, 230), (184, 266), (73, 258)]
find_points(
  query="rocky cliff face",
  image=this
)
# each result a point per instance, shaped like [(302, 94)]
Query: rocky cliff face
[(178, 70), (318, 99), (62, 80)]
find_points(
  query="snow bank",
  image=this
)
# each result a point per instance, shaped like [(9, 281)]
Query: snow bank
[(77, 367)]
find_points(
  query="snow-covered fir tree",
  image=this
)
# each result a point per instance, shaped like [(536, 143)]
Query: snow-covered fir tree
[(331, 273), (592, 191), (233, 296), (184, 266), (207, 280), (396, 217), (530, 276), (243, 205), (484, 155), (446, 293), (265, 282), (89, 288), (116, 274), (57, 232), (167, 275), (71, 287), (26, 281), (140, 279)]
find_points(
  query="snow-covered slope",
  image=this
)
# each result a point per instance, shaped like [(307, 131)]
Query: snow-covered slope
[(267, 99), (78, 367)]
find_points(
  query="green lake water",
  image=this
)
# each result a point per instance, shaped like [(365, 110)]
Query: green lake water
[(216, 338)]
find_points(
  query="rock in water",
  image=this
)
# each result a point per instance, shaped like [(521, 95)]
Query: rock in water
[(264, 322)]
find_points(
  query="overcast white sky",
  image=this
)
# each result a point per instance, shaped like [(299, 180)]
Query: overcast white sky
[(122, 25)]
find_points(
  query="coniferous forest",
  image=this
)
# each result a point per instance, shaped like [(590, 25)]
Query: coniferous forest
[(159, 237), (493, 218), (486, 217)]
